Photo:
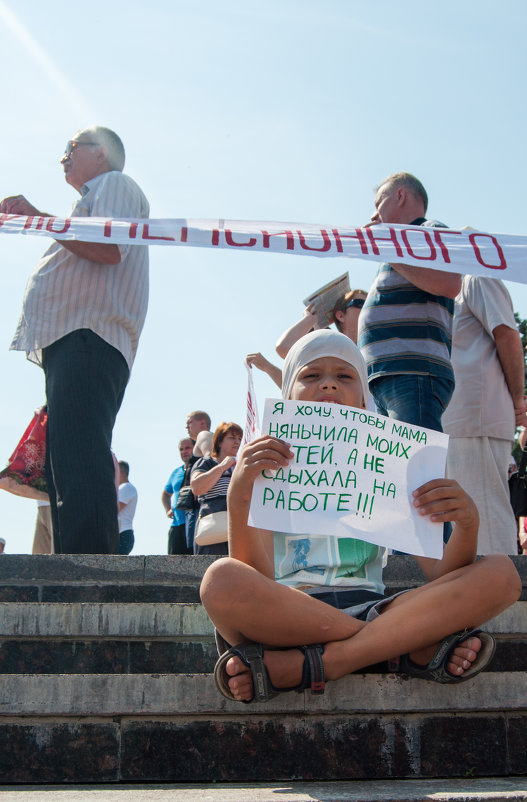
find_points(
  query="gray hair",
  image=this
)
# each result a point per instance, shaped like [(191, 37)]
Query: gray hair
[(396, 180), (109, 140)]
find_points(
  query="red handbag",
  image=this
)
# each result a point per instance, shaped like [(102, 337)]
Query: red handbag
[(24, 475)]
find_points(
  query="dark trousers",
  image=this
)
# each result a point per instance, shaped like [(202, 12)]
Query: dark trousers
[(126, 541), (85, 383), (177, 542)]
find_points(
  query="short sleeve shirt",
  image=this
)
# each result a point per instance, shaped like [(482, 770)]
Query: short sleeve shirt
[(66, 292), (481, 404)]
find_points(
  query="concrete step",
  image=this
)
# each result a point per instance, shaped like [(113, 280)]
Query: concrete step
[(196, 695), (149, 579), (148, 728), (104, 689), (492, 789), (165, 638), (101, 578)]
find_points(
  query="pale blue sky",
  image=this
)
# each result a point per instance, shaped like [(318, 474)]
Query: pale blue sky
[(276, 110)]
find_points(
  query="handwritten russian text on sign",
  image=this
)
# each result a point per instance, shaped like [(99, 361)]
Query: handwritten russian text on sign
[(472, 252), (352, 475)]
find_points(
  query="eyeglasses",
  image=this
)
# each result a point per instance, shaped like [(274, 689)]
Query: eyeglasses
[(72, 144), (357, 302)]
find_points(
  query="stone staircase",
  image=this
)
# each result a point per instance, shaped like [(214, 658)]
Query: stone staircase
[(106, 663)]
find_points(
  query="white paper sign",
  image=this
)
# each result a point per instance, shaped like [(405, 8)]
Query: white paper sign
[(352, 475)]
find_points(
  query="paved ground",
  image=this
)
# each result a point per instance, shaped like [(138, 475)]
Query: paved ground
[(470, 790)]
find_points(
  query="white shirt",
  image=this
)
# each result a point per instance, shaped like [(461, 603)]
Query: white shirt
[(481, 405), (66, 292), (128, 496)]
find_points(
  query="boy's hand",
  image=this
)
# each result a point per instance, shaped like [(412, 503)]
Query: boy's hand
[(263, 454), (444, 500)]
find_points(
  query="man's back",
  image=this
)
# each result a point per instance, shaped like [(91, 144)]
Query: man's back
[(481, 404), (128, 497)]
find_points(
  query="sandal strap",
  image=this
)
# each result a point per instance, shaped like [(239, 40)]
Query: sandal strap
[(313, 670), (251, 654), (436, 669)]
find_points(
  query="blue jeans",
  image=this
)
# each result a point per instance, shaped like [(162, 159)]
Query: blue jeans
[(126, 541), (418, 400), (191, 516), (414, 399)]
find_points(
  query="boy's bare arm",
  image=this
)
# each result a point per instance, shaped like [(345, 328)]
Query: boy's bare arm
[(444, 500), (247, 544)]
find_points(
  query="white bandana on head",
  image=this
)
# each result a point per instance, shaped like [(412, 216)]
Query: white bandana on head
[(316, 345)]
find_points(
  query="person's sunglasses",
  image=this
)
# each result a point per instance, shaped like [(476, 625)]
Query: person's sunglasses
[(72, 144), (357, 302)]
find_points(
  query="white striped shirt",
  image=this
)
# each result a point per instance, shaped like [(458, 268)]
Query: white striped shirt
[(66, 292)]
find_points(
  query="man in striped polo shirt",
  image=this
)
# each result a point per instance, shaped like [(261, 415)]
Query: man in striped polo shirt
[(405, 327), (84, 309)]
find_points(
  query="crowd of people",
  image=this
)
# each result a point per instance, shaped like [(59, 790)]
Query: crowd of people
[(195, 496), (426, 347), (442, 351)]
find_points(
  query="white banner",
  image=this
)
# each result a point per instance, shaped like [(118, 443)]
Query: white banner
[(353, 474), (468, 251)]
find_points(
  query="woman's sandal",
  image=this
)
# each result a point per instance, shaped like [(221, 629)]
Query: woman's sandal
[(251, 655), (436, 669)]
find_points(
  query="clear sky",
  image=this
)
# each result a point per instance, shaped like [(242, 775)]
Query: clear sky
[(290, 110)]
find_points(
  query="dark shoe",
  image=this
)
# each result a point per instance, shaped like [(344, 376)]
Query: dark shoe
[(436, 669), (251, 655)]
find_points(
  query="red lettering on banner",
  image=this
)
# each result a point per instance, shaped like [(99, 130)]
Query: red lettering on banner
[(358, 235), (184, 233), (133, 230), (108, 228), (503, 262), (147, 235), (444, 250), (5, 217), (326, 246), (49, 226), (289, 234), (392, 238), (215, 237), (428, 239), (229, 240), (29, 222)]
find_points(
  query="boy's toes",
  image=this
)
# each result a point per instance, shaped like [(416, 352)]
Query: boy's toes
[(240, 682), (234, 666), (463, 656), (241, 687)]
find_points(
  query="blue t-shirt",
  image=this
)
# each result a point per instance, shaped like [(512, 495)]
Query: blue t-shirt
[(172, 486)]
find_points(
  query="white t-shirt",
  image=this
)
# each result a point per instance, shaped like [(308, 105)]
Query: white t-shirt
[(481, 405), (127, 496)]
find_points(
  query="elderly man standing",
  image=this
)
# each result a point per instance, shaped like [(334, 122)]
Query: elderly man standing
[(84, 309), (488, 403), (405, 326)]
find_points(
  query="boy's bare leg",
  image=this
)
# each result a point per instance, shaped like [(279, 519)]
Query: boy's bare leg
[(244, 605)]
